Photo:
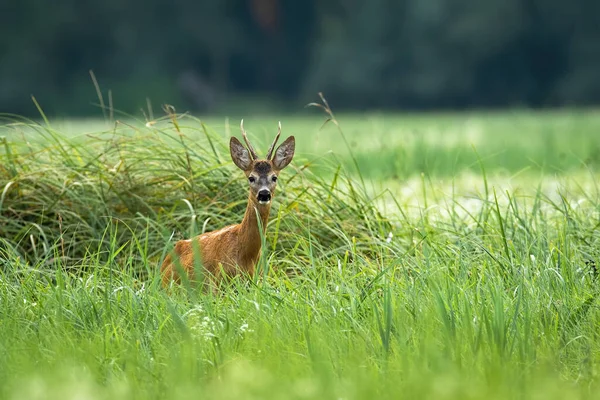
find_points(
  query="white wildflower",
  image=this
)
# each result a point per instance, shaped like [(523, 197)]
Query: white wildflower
[(200, 325), (244, 328), (390, 236), (141, 290), (532, 258)]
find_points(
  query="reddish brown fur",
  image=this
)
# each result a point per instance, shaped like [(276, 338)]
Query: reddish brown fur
[(234, 249), (229, 251)]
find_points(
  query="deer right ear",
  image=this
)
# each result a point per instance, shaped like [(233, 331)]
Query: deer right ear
[(239, 154)]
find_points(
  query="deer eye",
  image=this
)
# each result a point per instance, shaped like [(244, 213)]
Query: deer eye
[(274, 178), (252, 179)]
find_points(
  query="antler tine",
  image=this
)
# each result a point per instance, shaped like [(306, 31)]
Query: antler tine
[(269, 153), (250, 148)]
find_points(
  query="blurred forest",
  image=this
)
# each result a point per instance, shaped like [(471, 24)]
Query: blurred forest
[(387, 54)]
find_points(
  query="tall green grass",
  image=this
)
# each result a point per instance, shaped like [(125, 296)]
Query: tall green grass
[(492, 296)]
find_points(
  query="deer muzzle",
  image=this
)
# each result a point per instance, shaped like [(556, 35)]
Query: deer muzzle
[(264, 196)]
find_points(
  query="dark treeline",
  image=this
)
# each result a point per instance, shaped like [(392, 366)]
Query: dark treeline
[(206, 55)]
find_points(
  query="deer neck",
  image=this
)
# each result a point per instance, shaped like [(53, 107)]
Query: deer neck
[(249, 227)]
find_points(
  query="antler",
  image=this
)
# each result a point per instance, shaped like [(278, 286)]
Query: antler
[(269, 153), (250, 148)]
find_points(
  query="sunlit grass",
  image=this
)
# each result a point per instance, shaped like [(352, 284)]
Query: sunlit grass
[(397, 146)]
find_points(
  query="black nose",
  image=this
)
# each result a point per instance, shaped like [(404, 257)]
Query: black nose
[(264, 195)]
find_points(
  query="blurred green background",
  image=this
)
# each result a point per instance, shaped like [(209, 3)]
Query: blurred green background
[(274, 55)]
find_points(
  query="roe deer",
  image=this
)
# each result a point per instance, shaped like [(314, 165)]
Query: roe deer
[(234, 249)]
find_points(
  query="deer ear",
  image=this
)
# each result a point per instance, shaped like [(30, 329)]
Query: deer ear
[(239, 154), (284, 153)]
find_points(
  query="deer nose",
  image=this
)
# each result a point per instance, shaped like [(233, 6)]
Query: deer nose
[(264, 195)]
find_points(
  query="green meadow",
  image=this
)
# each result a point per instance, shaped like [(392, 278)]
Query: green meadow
[(433, 255)]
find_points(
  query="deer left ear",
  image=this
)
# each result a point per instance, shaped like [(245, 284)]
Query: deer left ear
[(284, 153)]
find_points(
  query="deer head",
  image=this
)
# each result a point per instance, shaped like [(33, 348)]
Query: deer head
[(262, 173)]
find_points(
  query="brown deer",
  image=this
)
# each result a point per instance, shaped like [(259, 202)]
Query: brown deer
[(235, 249)]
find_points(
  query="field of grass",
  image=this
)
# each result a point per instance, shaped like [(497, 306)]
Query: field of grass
[(443, 256)]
